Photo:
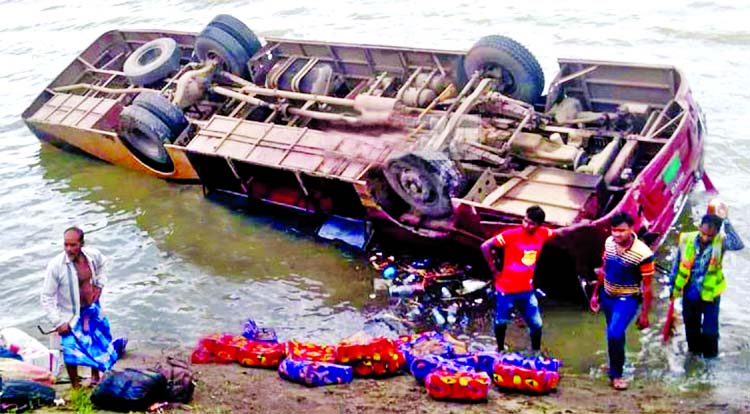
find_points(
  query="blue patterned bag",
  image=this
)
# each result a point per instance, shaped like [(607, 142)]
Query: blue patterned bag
[(315, 374)]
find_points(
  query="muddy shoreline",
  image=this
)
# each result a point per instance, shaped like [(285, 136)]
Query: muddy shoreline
[(236, 389)]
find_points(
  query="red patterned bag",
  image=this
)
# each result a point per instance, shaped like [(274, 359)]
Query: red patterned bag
[(462, 385), (524, 379), (261, 354), (205, 351), (370, 357), (305, 351), (226, 348)]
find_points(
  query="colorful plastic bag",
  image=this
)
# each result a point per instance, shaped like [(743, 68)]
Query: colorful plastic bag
[(305, 351), (208, 347), (201, 356), (261, 354), (227, 347), (421, 367), (461, 385), (532, 362), (355, 349), (370, 357), (524, 379), (314, 373), (218, 348), (250, 329), (266, 335), (426, 343)]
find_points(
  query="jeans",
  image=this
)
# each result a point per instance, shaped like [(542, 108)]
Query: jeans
[(525, 302), (528, 305), (701, 326), (619, 312)]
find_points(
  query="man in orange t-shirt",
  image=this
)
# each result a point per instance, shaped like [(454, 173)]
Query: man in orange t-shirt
[(514, 283)]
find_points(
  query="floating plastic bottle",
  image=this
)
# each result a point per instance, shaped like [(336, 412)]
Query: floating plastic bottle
[(411, 278), (421, 264), (404, 290), (438, 317), (390, 272), (414, 313), (451, 314)]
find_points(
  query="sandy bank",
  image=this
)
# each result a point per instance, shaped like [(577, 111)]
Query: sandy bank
[(235, 389)]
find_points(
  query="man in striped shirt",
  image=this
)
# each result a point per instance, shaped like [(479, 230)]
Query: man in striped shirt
[(626, 280)]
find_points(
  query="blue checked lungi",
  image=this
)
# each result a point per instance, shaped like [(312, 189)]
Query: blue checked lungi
[(95, 347)]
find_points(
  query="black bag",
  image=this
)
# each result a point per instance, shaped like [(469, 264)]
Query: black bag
[(17, 396), (129, 390), (179, 375)]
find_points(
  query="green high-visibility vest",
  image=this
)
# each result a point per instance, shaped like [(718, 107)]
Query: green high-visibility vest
[(713, 282)]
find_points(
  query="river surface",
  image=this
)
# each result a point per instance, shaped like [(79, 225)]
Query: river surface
[(183, 265)]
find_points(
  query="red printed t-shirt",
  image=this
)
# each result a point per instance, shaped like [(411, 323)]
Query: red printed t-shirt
[(521, 251)]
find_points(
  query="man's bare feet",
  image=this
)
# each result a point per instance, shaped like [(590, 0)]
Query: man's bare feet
[(73, 375)]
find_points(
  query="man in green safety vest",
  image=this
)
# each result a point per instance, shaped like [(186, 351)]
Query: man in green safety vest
[(698, 277)]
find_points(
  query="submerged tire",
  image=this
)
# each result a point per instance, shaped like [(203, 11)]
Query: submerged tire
[(239, 31), (426, 181), (510, 62), (152, 61), (144, 134), (215, 43), (171, 115)]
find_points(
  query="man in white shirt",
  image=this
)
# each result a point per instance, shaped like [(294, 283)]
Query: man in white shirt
[(70, 298)]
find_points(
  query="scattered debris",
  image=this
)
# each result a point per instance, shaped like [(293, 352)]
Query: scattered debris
[(431, 292)]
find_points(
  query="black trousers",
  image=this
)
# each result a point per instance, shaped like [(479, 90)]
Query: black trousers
[(701, 326)]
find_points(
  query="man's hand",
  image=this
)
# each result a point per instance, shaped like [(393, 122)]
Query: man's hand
[(97, 294), (63, 329), (643, 321), (594, 303)]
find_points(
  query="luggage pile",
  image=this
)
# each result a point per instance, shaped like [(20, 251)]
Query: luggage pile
[(24, 357), (313, 365), (432, 362), (437, 361), (227, 348), (370, 357), (27, 369), (303, 362), (451, 375)]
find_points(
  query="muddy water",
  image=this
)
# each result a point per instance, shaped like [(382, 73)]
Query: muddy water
[(183, 265)]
